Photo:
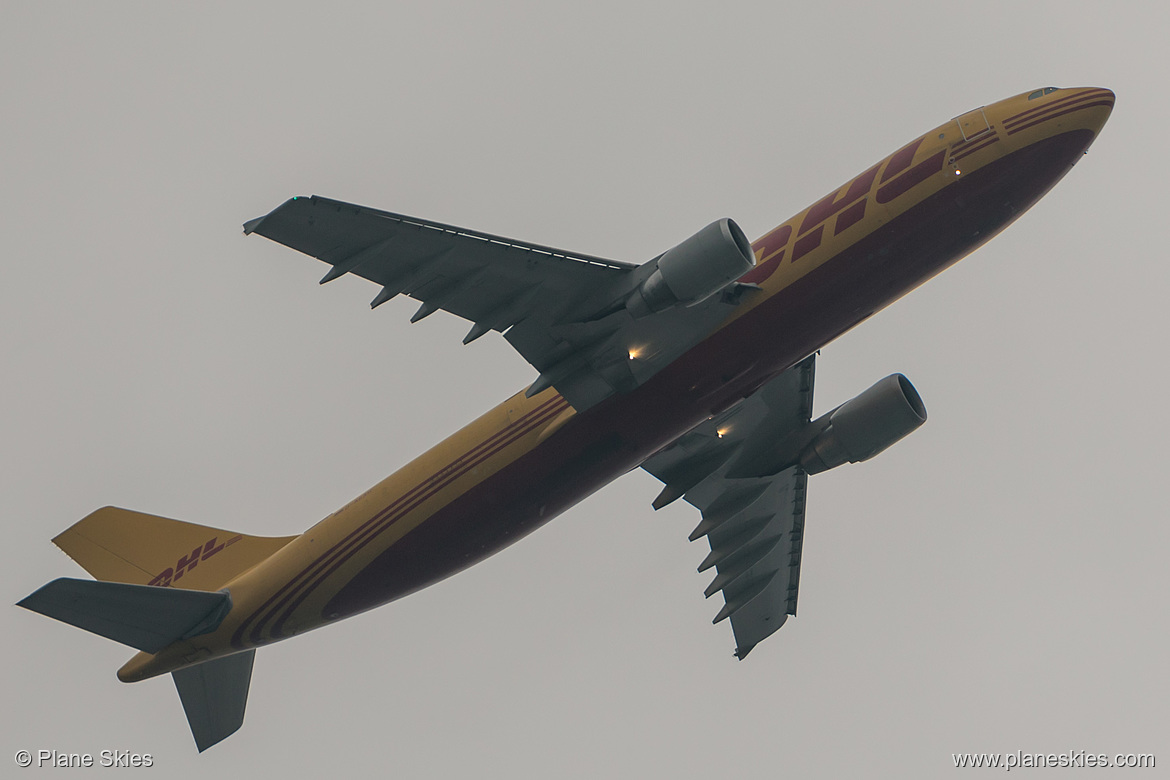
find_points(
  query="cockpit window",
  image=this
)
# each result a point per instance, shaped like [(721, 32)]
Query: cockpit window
[(1042, 92)]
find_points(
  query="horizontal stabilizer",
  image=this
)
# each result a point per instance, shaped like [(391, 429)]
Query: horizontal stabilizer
[(143, 616), (213, 695)]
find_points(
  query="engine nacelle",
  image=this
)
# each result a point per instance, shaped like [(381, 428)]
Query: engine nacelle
[(695, 269), (870, 423)]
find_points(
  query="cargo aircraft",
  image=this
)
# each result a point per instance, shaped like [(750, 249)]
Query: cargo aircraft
[(696, 366)]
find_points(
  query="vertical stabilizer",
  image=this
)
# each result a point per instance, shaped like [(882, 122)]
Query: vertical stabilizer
[(214, 695), (119, 545)]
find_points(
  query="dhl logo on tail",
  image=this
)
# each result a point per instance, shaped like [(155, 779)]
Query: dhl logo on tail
[(191, 560)]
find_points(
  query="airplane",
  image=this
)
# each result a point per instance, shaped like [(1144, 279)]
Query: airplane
[(696, 366)]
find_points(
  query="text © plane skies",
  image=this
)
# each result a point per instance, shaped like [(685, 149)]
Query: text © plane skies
[(696, 366)]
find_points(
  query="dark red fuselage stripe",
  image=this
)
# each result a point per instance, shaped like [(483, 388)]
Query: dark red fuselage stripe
[(357, 539), (387, 516), (401, 512), (558, 403), (1012, 126), (975, 148), (1046, 117), (962, 145), (1024, 115)]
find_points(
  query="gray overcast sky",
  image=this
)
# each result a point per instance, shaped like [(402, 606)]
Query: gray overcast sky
[(996, 582)]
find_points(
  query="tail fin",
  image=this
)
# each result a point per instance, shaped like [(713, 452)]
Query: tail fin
[(118, 545), (151, 591), (213, 695)]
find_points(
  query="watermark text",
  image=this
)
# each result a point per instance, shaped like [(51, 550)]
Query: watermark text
[(61, 759), (1071, 759)]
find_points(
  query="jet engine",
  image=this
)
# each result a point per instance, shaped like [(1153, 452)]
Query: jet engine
[(694, 270), (861, 428)]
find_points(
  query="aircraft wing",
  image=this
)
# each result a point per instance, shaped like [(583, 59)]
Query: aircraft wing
[(560, 310), (754, 523), (483, 278)]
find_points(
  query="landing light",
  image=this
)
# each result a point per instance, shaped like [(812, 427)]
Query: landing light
[(722, 431), (957, 171)]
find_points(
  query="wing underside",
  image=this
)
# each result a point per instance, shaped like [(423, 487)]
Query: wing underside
[(483, 278), (562, 311), (754, 524)]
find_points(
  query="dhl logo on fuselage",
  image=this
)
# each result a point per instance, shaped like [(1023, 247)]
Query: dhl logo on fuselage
[(189, 561), (847, 204)]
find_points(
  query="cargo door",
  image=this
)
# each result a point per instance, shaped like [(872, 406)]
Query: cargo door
[(973, 124)]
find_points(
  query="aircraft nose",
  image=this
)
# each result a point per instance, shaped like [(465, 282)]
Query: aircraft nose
[(1064, 110), (1095, 103), (1102, 95)]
